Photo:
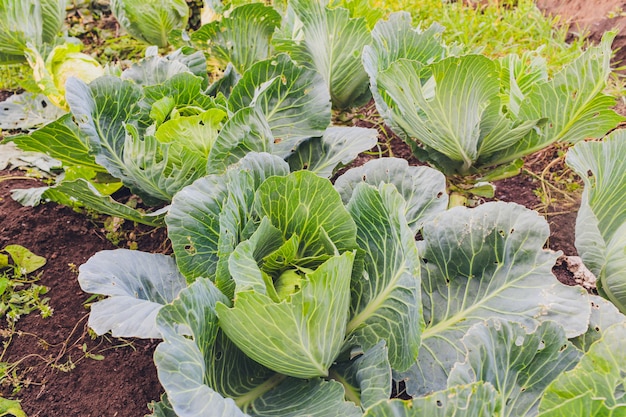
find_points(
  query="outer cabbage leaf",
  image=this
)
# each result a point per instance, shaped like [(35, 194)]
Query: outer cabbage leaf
[(518, 364), (151, 21), (241, 38), (331, 43), (61, 140), (573, 103), (188, 325), (338, 146), (192, 360), (474, 400), (595, 387), (604, 314), (423, 189), (27, 110), (155, 70), (246, 131), (295, 103), (201, 235), (386, 300), (483, 263), (366, 378), (601, 221), (83, 193), (138, 284), (394, 39)]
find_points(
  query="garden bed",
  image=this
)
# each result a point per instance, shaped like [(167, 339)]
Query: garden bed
[(65, 371)]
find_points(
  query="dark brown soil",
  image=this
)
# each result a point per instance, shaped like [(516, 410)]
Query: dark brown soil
[(62, 380)]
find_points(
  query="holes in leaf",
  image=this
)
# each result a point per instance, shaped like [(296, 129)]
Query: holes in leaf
[(501, 233), (364, 177), (597, 329), (439, 194), (44, 104), (590, 173), (219, 355), (439, 403), (425, 260)]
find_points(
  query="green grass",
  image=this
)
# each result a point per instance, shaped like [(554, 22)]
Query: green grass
[(12, 75), (496, 29)]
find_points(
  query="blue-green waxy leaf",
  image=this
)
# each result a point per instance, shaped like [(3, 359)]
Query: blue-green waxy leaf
[(300, 336), (519, 364), (601, 221), (246, 131), (297, 397), (395, 39), (474, 400), (189, 328), (241, 38), (604, 314), (155, 70), (151, 21), (573, 103), (338, 146), (595, 387), (367, 378), (423, 189), (331, 43), (452, 107), (483, 263), (205, 224), (27, 110), (101, 110), (293, 99), (138, 284), (386, 300)]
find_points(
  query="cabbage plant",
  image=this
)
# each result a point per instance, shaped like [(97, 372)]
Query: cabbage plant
[(601, 220), (300, 298), (472, 116), (28, 24), (157, 127), (151, 21)]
